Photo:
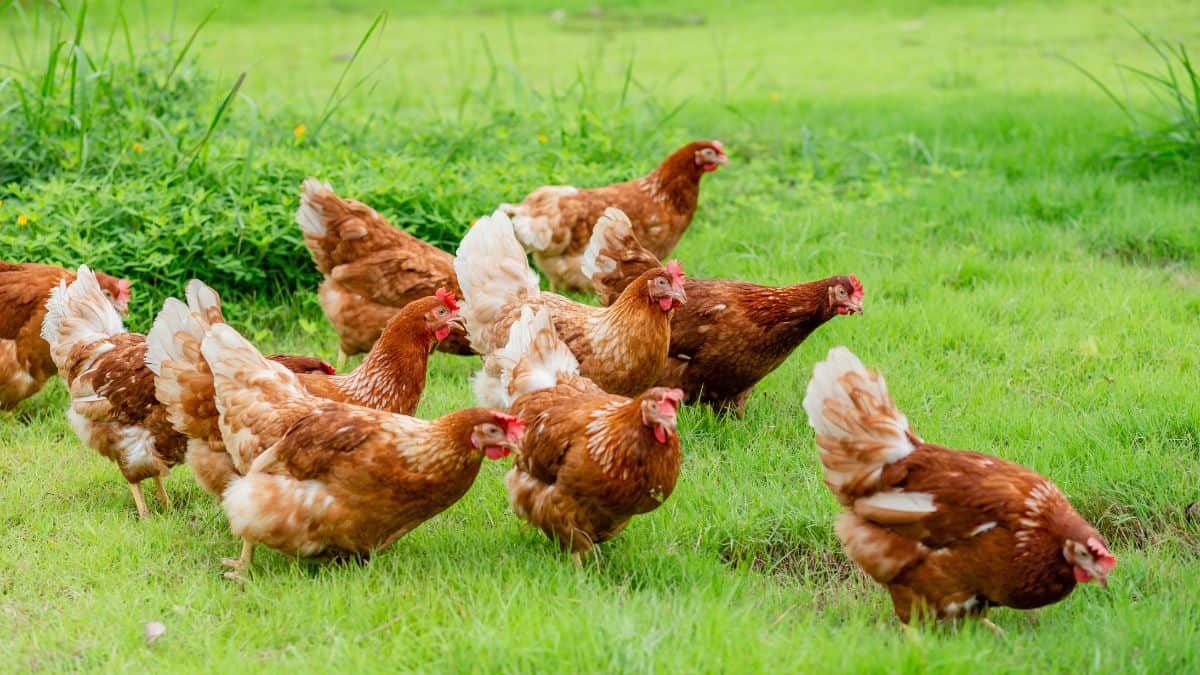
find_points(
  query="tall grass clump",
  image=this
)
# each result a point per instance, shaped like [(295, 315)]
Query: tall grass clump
[(1169, 134)]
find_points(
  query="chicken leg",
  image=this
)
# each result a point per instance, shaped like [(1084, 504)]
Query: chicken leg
[(139, 499), (241, 564), (162, 493)]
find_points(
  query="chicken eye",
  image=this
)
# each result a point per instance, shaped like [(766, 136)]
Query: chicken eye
[(441, 311), (662, 281)]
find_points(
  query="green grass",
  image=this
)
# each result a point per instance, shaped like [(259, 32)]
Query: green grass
[(1025, 297)]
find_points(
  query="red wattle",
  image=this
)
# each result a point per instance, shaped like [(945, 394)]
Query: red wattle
[(1081, 576), (666, 303), (660, 434), (496, 452), (442, 333)]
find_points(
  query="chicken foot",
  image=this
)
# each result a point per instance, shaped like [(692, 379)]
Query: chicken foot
[(242, 564)]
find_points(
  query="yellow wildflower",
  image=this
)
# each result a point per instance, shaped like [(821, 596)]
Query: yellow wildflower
[(776, 97), (298, 132), (137, 147), (22, 219), (543, 138)]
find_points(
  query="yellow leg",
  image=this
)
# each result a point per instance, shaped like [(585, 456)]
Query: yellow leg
[(996, 630), (162, 493), (577, 558), (241, 564), (139, 499)]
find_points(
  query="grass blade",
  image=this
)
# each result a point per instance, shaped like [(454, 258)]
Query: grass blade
[(330, 106)]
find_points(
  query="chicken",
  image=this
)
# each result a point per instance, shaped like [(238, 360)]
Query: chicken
[(25, 362), (555, 221), (391, 378), (333, 479), (591, 460), (730, 334), (621, 348), (949, 533), (371, 268), (113, 409)]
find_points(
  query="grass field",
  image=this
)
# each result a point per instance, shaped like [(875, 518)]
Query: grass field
[(1026, 296)]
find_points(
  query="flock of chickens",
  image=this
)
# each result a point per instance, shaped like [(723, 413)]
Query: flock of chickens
[(585, 398)]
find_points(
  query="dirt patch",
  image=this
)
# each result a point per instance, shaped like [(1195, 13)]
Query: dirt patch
[(792, 561)]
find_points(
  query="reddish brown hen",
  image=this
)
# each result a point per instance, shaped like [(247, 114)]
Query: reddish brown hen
[(554, 222), (591, 460), (949, 533), (621, 348), (391, 378), (25, 362), (330, 478), (730, 334), (372, 269)]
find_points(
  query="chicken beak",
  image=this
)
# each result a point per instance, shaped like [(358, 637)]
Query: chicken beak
[(457, 321), (679, 296), (854, 307), (723, 160)]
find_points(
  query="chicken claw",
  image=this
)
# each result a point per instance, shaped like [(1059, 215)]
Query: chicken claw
[(240, 565)]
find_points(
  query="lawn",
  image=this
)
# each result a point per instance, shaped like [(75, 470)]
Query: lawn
[(1026, 296)]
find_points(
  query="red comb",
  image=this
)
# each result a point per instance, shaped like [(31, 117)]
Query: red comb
[(676, 271), (720, 148), (327, 368), (123, 286), (514, 427), (857, 296), (447, 298)]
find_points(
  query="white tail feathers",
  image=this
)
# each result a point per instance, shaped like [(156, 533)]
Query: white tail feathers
[(204, 302), (612, 227), (534, 357), (859, 429), (238, 366), (310, 216), (78, 313), (492, 271), (162, 345)]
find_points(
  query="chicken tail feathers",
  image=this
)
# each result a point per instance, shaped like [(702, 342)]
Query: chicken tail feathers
[(614, 256), (492, 271), (859, 429), (534, 358), (183, 382), (238, 367), (78, 313), (311, 214)]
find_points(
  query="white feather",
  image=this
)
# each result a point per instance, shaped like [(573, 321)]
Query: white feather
[(492, 271), (829, 384), (613, 224), (78, 313), (310, 217)]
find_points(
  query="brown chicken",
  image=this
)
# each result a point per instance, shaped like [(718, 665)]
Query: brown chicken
[(391, 378), (113, 409), (591, 460), (371, 268), (334, 479), (25, 362), (949, 533), (730, 334), (554, 222), (621, 348)]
